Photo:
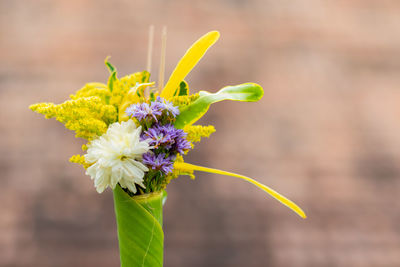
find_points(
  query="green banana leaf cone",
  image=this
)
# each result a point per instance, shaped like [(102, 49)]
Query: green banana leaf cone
[(139, 223)]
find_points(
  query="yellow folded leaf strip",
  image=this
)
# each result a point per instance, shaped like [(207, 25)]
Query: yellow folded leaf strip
[(188, 61), (290, 204), (130, 98)]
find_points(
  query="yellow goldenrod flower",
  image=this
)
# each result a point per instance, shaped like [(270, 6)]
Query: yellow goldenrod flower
[(196, 132), (122, 86), (184, 100), (79, 159), (87, 116), (93, 89)]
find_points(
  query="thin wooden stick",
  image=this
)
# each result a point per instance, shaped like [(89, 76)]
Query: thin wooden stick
[(162, 59), (149, 57), (150, 48)]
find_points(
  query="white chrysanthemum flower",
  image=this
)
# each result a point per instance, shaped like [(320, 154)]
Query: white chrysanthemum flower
[(115, 157)]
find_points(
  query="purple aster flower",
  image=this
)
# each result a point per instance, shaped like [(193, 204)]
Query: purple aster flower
[(159, 136), (158, 162), (168, 129), (168, 106), (157, 107), (144, 111), (167, 136), (182, 145)]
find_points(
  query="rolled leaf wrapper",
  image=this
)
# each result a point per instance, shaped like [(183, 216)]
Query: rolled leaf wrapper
[(139, 223)]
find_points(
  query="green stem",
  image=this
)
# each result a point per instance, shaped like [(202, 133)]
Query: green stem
[(139, 223)]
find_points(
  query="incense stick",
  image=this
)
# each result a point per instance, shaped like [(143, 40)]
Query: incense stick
[(150, 48), (162, 59), (149, 57)]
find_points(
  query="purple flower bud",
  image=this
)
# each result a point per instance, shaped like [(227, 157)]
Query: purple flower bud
[(167, 136), (144, 111), (158, 162), (170, 109)]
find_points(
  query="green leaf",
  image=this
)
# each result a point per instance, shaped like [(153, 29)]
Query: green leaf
[(140, 234), (110, 67), (183, 88), (145, 76), (111, 81), (249, 92)]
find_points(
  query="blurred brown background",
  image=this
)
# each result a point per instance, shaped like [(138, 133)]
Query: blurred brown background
[(326, 134)]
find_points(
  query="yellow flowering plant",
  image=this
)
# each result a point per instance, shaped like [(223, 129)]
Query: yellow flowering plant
[(137, 138)]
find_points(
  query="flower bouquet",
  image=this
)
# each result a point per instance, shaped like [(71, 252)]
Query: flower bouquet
[(137, 137)]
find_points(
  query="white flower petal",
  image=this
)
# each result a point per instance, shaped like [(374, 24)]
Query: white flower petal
[(114, 157), (139, 165)]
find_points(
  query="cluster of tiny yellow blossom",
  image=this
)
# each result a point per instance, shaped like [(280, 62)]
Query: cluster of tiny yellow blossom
[(184, 100), (79, 159), (93, 89), (196, 132), (122, 86), (89, 117)]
